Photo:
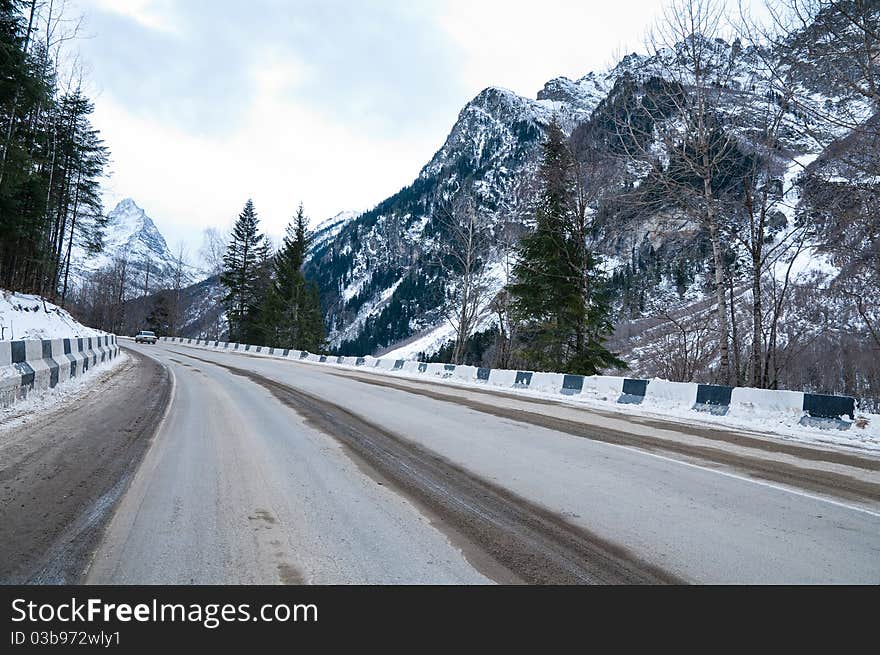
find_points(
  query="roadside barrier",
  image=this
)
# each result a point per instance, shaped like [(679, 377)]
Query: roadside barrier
[(32, 366), (824, 411)]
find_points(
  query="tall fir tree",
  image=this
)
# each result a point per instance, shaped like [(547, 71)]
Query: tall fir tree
[(51, 160), (244, 264), (292, 315), (558, 289)]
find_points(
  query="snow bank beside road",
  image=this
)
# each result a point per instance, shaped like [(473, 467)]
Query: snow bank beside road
[(42, 347), (25, 316)]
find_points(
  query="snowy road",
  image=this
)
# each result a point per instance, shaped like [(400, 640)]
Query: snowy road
[(269, 471)]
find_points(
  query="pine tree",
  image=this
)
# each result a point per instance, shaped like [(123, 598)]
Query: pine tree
[(311, 320), (558, 292), (81, 213), (51, 160), (242, 275), (291, 313)]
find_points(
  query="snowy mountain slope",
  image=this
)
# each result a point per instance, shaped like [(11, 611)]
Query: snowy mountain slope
[(327, 229), (130, 233), (379, 283), (25, 316), (376, 276)]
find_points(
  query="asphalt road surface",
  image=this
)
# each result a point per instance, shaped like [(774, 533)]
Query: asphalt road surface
[(274, 471)]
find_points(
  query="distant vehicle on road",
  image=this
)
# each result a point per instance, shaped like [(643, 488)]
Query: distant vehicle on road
[(145, 336)]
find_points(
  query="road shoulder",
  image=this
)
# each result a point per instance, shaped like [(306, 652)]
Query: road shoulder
[(63, 471)]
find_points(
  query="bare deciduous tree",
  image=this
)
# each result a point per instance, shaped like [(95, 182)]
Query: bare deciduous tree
[(178, 279), (693, 149), (462, 256), (835, 46), (685, 348), (214, 242)]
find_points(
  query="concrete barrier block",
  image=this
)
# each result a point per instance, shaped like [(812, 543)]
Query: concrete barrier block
[(462, 372), (499, 377), (713, 398), (603, 385), (746, 399), (572, 385), (825, 406), (632, 391), (678, 393), (434, 368), (62, 359), (546, 382)]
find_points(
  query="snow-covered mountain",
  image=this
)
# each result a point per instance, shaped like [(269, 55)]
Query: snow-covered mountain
[(327, 229), (376, 282), (377, 275), (131, 234)]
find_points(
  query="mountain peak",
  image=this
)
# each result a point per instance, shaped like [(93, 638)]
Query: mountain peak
[(584, 93), (126, 205)]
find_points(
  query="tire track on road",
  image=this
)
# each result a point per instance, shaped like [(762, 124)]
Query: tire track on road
[(502, 534), (826, 482)]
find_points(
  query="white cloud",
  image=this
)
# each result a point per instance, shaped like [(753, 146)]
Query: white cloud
[(520, 44), (154, 14), (283, 152), (333, 103)]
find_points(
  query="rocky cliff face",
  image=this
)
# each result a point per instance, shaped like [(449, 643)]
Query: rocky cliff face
[(379, 284)]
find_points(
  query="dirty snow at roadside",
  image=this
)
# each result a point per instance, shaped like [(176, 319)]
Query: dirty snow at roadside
[(40, 402)]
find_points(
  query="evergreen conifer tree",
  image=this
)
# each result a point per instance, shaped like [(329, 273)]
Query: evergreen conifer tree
[(242, 273), (51, 161), (558, 292), (292, 315)]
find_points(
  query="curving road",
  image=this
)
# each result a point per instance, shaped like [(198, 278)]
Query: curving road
[(271, 471)]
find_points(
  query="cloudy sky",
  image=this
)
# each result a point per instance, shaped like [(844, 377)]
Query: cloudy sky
[(205, 103)]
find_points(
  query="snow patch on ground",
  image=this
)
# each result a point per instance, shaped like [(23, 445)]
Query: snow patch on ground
[(25, 316), (428, 343)]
